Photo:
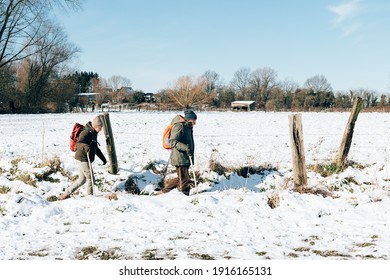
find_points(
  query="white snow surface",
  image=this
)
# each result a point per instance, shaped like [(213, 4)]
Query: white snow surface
[(228, 218)]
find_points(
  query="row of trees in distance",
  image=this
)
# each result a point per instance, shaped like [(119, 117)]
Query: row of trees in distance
[(35, 73)]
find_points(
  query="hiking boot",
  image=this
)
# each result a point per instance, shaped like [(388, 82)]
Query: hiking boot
[(186, 192)]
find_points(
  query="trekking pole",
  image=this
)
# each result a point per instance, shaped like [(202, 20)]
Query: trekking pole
[(166, 166), (91, 171), (193, 172)]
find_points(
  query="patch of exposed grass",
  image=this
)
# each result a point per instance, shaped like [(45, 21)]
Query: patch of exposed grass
[(86, 252), (325, 169), (27, 179), (201, 256), (15, 165), (40, 253), (293, 255), (330, 253), (52, 198), (261, 253), (366, 256), (92, 252), (302, 249), (179, 237), (365, 244), (151, 254), (4, 189), (330, 168)]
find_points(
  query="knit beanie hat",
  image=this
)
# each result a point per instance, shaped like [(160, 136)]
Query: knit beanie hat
[(189, 115), (97, 122)]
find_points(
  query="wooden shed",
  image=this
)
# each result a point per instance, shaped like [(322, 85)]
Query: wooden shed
[(243, 105)]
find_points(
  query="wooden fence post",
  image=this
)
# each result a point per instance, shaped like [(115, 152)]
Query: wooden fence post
[(348, 133), (110, 143), (298, 153)]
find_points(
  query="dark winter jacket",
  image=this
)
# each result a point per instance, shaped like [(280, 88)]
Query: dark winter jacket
[(182, 142), (87, 143)]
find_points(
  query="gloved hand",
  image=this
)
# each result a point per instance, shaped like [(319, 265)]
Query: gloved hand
[(104, 161), (188, 151)]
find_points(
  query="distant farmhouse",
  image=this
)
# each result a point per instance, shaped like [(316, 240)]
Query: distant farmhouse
[(243, 105), (91, 96)]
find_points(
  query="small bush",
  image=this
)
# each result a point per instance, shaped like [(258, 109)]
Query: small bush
[(55, 166)]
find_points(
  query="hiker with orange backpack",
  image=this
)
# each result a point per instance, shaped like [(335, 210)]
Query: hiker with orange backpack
[(181, 141), (86, 149)]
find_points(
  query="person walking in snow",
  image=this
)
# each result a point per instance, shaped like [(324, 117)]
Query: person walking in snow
[(86, 149), (183, 147)]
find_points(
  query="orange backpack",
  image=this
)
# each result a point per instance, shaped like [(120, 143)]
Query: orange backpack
[(167, 134)]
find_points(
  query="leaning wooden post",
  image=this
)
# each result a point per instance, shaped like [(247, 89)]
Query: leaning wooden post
[(348, 133), (110, 143), (298, 153)]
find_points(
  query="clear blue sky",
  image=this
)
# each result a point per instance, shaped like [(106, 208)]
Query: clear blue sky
[(154, 42)]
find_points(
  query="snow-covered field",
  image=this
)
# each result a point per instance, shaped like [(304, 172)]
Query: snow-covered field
[(229, 218)]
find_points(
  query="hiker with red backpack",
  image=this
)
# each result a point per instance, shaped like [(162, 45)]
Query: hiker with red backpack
[(181, 141), (86, 148)]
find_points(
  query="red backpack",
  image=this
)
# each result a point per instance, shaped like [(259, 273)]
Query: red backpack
[(77, 128), (167, 134)]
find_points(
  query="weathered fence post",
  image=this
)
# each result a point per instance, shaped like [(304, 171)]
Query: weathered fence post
[(348, 133), (298, 153), (110, 143)]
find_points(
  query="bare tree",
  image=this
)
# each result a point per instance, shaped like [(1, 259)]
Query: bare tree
[(262, 81), (39, 73), (212, 79), (369, 97), (21, 24), (188, 92), (318, 83), (241, 82), (117, 81)]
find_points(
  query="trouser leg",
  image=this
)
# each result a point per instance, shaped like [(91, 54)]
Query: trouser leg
[(182, 182), (170, 185), (84, 177), (184, 179)]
